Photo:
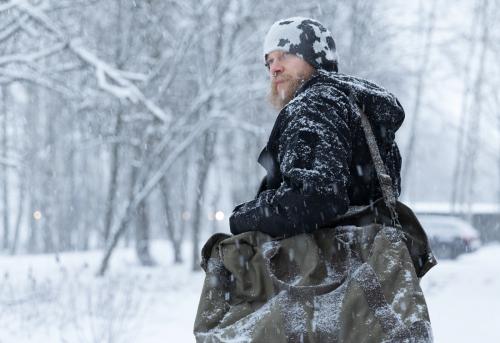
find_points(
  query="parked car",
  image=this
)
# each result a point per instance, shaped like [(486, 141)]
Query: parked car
[(449, 236)]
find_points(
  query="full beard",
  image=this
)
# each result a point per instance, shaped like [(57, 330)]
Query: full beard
[(279, 98)]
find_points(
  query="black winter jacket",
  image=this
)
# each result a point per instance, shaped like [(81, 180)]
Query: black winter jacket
[(317, 159)]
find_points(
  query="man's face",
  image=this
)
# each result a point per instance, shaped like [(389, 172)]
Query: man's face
[(287, 72)]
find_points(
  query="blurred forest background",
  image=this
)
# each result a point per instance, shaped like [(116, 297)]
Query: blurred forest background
[(123, 121)]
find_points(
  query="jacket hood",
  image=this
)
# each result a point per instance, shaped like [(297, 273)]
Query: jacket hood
[(381, 107)]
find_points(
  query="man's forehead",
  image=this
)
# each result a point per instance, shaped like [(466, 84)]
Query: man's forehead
[(275, 53)]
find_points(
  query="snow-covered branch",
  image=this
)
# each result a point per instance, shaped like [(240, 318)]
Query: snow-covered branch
[(200, 128), (193, 134), (11, 74), (30, 57), (236, 123), (40, 16), (12, 27), (116, 82), (121, 86), (9, 162), (8, 5)]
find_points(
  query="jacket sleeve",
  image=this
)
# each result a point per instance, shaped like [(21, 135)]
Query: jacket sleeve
[(314, 155)]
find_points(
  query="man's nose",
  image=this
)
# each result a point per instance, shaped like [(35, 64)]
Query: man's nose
[(275, 68)]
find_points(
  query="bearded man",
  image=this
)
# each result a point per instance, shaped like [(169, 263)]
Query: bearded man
[(317, 159), (356, 280)]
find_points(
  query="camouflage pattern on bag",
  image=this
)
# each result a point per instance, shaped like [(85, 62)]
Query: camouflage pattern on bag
[(348, 283)]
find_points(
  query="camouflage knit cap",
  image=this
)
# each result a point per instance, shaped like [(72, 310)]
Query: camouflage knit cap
[(304, 37)]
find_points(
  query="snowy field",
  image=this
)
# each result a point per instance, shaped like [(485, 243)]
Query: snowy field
[(49, 299)]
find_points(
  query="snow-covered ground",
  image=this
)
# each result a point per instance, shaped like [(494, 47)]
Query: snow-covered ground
[(463, 297), (49, 299)]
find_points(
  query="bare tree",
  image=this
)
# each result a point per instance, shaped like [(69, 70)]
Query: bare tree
[(132, 99), (175, 233), (417, 106), (478, 100), (457, 180), (4, 169), (203, 165)]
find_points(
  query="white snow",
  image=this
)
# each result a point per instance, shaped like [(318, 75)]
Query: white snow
[(49, 299), (46, 300), (463, 297)]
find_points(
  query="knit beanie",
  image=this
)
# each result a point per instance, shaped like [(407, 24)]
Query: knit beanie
[(304, 37)]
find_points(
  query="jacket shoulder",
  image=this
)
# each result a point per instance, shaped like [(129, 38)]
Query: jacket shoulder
[(319, 103), (321, 93)]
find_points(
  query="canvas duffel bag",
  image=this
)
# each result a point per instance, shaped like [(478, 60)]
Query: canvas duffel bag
[(348, 283)]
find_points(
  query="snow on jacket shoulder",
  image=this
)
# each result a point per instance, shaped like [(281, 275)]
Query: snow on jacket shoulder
[(316, 158)]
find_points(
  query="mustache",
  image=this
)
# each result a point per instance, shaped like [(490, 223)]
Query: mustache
[(281, 78)]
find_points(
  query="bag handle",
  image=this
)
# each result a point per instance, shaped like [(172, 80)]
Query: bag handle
[(384, 178)]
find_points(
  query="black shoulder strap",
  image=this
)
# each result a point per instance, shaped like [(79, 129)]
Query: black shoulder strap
[(383, 177)]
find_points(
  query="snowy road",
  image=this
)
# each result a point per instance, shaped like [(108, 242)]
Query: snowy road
[(45, 300), (464, 297)]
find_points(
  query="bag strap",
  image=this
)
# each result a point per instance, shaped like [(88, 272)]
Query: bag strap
[(384, 178), (391, 324)]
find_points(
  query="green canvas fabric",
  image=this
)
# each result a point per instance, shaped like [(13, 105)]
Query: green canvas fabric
[(356, 281)]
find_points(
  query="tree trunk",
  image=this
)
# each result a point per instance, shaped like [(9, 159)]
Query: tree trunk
[(422, 72), (113, 183), (142, 235), (33, 174), (5, 169), (122, 222), (458, 172), (497, 101), (214, 206), (48, 185), (140, 223), (498, 160), (34, 229), (21, 203), (20, 212), (120, 48), (203, 165), (171, 225), (475, 122)]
